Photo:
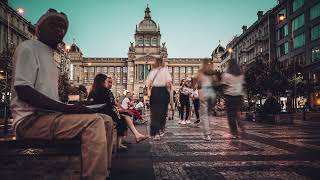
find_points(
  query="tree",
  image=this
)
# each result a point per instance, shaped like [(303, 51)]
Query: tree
[(262, 78), (64, 87), (256, 75)]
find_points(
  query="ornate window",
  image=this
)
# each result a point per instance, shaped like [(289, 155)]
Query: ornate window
[(111, 69), (148, 41), (140, 42), (105, 70), (140, 72), (183, 69), (155, 41)]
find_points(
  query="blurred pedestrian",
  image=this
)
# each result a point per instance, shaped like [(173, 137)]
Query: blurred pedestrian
[(160, 82), (207, 80), (233, 80)]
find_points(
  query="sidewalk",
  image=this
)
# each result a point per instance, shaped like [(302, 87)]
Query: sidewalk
[(264, 151), (136, 162)]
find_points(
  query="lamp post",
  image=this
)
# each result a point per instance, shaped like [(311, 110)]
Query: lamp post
[(282, 17)]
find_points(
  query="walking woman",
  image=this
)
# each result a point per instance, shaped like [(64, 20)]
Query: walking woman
[(233, 80), (185, 92), (101, 94), (207, 79), (160, 82)]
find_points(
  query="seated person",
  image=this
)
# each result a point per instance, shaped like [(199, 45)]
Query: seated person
[(128, 105), (36, 109), (270, 106), (101, 94), (139, 106)]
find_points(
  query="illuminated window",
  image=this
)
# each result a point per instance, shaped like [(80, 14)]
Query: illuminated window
[(315, 54)]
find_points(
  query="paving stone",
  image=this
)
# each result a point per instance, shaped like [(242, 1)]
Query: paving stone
[(263, 151)]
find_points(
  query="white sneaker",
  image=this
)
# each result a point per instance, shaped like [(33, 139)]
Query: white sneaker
[(207, 138), (180, 122), (183, 122), (162, 133), (156, 137), (188, 121)]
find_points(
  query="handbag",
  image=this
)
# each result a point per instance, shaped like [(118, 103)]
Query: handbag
[(149, 89)]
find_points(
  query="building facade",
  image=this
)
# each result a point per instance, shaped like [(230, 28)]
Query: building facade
[(256, 42), (298, 40), (13, 30), (130, 73)]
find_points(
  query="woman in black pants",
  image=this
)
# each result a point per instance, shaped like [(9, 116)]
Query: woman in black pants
[(160, 82), (185, 92), (196, 103), (233, 80)]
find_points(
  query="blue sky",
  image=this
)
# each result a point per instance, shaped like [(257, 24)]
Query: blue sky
[(190, 28)]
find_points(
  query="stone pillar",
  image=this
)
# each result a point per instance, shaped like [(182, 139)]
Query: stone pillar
[(130, 78)]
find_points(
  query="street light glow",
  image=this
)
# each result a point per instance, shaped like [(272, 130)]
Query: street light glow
[(68, 47), (20, 11), (230, 50), (281, 17)]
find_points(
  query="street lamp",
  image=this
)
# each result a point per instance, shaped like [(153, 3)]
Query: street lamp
[(282, 17), (67, 47), (20, 11)]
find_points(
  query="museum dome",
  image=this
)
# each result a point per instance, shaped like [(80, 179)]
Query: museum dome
[(147, 24)]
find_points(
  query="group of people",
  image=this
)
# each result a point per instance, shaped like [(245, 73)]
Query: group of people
[(203, 93), (123, 115), (38, 113)]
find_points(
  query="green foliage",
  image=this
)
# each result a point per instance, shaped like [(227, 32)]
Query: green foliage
[(261, 78), (63, 87)]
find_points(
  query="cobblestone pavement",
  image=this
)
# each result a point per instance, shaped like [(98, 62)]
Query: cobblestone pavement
[(264, 151)]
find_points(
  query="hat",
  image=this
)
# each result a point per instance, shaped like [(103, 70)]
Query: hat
[(49, 14)]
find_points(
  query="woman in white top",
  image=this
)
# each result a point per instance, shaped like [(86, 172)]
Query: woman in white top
[(184, 98), (207, 79), (233, 80), (160, 82)]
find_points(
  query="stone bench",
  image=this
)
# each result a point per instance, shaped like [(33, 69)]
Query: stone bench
[(40, 159)]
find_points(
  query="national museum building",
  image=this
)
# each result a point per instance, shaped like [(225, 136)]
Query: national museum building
[(129, 73)]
